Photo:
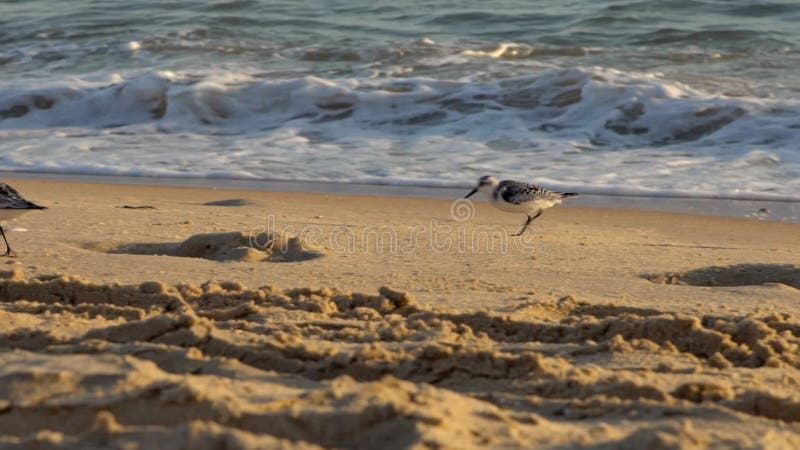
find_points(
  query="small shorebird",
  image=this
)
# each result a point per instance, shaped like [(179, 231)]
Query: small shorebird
[(12, 205), (516, 196)]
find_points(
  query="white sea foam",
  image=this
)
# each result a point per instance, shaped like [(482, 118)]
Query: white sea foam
[(587, 129), (133, 46)]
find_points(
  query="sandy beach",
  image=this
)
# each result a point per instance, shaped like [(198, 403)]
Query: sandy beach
[(207, 318)]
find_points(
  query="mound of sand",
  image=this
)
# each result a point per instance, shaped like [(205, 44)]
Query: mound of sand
[(84, 364), (735, 275), (232, 246)]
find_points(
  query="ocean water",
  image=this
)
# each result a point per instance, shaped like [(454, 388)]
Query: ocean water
[(660, 97)]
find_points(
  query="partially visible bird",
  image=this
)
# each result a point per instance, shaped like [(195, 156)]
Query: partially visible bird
[(12, 205), (517, 196)]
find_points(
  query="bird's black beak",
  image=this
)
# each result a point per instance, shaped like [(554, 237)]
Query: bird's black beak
[(471, 193)]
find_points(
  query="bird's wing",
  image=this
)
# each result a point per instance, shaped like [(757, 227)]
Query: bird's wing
[(517, 192), (11, 199)]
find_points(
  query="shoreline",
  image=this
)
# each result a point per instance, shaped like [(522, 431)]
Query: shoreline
[(783, 211)]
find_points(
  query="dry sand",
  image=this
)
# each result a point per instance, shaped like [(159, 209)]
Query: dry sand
[(140, 316)]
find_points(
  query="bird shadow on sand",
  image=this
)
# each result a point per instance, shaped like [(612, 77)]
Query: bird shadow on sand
[(229, 246), (734, 275)]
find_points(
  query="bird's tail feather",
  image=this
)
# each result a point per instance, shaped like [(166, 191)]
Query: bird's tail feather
[(569, 194)]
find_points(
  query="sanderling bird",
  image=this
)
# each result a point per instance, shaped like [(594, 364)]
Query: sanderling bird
[(517, 196), (12, 205)]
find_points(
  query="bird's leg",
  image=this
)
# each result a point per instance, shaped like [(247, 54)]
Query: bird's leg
[(528, 222), (8, 247)]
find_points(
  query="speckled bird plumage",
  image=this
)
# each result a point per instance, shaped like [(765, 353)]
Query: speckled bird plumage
[(11, 199), (519, 193), (12, 205), (518, 196)]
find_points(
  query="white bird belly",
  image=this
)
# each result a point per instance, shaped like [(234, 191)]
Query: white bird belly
[(531, 206)]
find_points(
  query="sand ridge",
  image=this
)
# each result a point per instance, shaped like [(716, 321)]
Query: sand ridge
[(297, 368)]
